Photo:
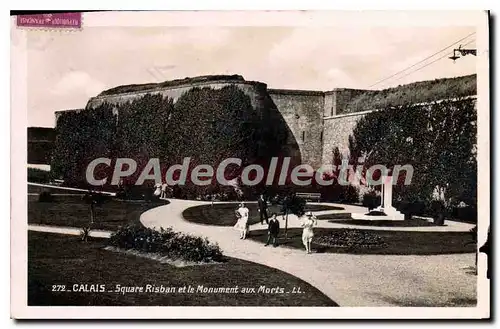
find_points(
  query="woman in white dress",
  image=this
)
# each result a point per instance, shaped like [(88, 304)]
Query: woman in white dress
[(242, 223), (157, 190), (307, 233)]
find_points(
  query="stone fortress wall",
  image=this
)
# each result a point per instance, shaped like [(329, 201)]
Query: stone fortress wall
[(318, 121)]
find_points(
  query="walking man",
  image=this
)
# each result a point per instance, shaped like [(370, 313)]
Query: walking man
[(263, 209)]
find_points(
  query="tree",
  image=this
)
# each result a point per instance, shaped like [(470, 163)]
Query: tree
[(80, 138), (292, 204), (438, 140), (142, 129), (211, 125)]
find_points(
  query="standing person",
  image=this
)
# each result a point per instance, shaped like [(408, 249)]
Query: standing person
[(157, 191), (263, 209), (307, 233), (163, 194), (242, 223), (273, 230)]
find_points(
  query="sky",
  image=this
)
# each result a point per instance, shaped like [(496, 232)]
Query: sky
[(65, 69)]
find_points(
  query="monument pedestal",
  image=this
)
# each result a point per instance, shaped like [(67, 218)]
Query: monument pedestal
[(386, 206)]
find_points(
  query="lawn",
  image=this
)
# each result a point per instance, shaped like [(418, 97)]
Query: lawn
[(53, 189), (73, 211), (223, 214), (394, 242), (66, 261)]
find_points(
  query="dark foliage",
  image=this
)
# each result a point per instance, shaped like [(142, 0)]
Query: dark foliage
[(207, 125), (437, 140), (39, 176), (97, 199), (166, 242), (293, 204), (371, 200), (80, 138), (142, 132), (45, 196), (351, 239)]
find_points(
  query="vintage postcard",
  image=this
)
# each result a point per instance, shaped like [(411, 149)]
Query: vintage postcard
[(255, 165)]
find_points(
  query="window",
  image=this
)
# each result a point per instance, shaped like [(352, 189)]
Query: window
[(303, 136), (321, 137), (331, 112)]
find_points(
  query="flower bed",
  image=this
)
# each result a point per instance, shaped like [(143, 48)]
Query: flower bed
[(351, 239), (174, 245)]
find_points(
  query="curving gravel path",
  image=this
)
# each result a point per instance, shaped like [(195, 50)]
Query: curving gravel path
[(349, 280)]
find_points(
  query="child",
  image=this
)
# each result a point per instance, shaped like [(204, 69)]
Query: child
[(273, 230)]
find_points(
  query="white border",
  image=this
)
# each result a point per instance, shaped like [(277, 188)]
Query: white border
[(18, 160)]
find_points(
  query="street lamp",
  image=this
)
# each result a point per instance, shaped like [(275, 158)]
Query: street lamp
[(460, 52)]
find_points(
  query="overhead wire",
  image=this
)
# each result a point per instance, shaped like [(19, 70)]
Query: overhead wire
[(423, 60)]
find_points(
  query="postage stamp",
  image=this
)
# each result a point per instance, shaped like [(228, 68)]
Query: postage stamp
[(326, 165), (54, 20)]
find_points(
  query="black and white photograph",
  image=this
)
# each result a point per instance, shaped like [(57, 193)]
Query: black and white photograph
[(259, 165)]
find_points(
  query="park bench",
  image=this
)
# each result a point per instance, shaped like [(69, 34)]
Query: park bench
[(310, 196)]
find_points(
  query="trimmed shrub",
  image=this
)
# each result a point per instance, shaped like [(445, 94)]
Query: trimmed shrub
[(410, 209), (166, 242), (371, 200)]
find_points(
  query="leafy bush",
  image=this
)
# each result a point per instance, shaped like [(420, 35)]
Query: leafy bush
[(166, 242), (371, 200), (45, 196), (349, 194), (292, 204), (38, 176), (410, 209)]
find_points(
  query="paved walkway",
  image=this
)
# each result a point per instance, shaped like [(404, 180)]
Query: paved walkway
[(349, 280), (67, 230)]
